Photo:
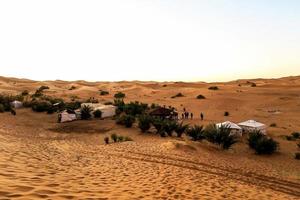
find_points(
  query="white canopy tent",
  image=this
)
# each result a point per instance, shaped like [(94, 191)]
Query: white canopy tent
[(235, 129), (252, 125), (16, 104), (66, 116), (107, 110)]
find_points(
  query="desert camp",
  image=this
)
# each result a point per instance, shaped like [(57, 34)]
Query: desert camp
[(150, 100)]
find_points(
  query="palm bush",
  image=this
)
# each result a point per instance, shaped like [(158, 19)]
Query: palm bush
[(86, 112), (181, 128), (297, 156), (220, 135), (196, 132), (169, 126), (97, 113), (144, 123)]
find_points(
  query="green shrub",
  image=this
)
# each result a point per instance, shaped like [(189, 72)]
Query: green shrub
[(226, 113), (103, 92), (97, 114), (297, 156), (296, 135), (2, 109), (273, 125), (126, 138), (144, 123), (72, 87), (253, 84), (200, 96), (120, 138), (25, 93), (74, 105), (114, 137), (180, 129), (253, 138), (106, 140), (126, 120), (213, 88), (261, 143), (119, 95), (37, 94), (86, 112), (158, 124), (196, 133), (290, 138), (41, 106), (177, 95), (135, 108), (266, 146)]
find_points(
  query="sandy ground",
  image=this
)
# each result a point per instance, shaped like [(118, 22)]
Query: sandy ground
[(41, 159)]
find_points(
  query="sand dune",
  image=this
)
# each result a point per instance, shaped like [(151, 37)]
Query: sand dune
[(40, 159)]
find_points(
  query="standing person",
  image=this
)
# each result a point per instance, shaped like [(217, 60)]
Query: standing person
[(187, 115), (202, 116), (192, 115), (182, 116)]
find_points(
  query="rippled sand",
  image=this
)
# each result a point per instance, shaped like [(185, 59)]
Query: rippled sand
[(40, 159)]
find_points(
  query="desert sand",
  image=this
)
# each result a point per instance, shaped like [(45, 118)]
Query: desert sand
[(41, 159)]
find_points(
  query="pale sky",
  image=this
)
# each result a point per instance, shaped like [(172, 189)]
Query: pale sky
[(112, 40)]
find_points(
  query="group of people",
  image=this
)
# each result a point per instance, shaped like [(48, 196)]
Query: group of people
[(187, 115)]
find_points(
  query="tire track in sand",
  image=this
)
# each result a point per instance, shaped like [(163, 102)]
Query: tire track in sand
[(276, 184)]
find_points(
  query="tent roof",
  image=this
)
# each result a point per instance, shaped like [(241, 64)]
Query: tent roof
[(229, 124), (251, 123)]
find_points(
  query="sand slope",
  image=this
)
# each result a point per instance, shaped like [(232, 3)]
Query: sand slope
[(40, 159)]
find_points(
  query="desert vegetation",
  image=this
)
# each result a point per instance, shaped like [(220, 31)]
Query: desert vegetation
[(261, 143), (177, 95), (200, 96), (104, 92), (213, 88)]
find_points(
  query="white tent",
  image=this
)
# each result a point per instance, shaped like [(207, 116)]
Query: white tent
[(235, 129), (252, 125), (66, 116), (107, 110), (16, 104)]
